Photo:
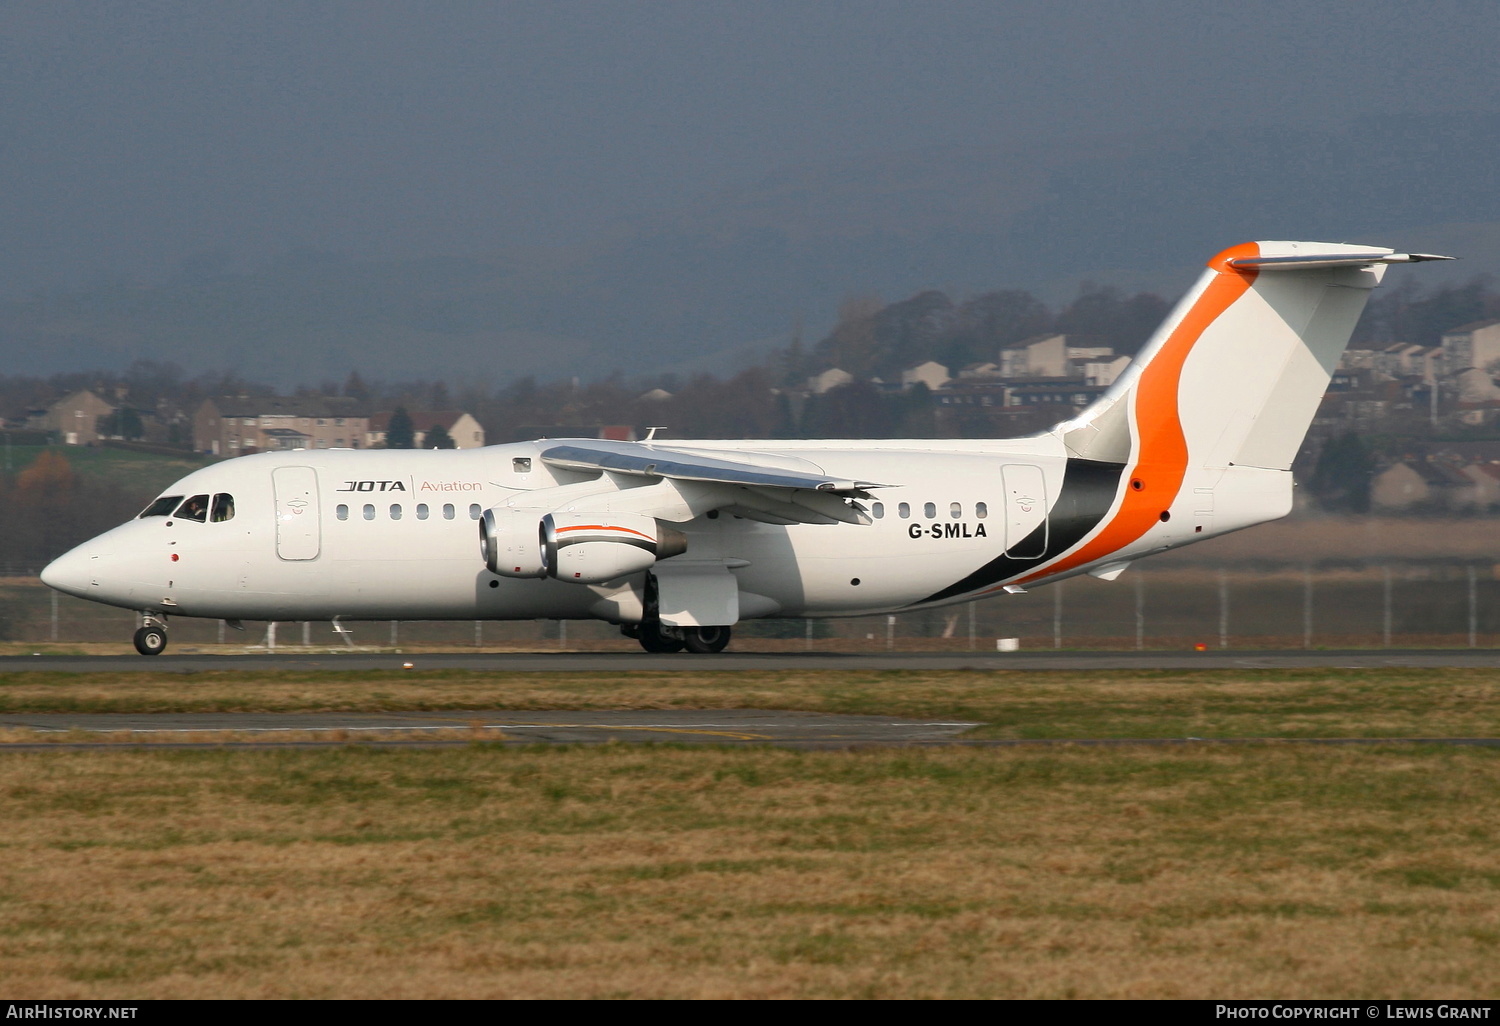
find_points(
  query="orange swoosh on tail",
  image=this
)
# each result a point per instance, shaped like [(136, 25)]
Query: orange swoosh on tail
[(1161, 457)]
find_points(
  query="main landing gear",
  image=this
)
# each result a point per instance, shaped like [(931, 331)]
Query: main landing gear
[(657, 637), (654, 636), (151, 639)]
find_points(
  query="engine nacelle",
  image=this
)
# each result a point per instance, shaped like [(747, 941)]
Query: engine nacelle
[(510, 543), (584, 548), (591, 548)]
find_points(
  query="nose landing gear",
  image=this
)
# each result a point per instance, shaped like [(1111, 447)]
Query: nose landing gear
[(151, 639)]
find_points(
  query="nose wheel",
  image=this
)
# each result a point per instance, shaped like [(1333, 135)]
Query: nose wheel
[(151, 639)]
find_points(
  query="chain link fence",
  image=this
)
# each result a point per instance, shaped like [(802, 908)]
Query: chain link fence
[(1395, 605)]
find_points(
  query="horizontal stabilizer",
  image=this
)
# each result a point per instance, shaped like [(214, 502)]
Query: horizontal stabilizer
[(1312, 261)]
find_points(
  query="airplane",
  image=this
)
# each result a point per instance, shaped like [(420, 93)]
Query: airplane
[(676, 541)]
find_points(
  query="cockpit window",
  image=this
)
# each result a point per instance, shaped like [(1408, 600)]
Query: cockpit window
[(223, 508), (194, 508), (162, 507)]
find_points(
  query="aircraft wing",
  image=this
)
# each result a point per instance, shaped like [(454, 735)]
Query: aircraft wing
[(660, 461), (771, 494)]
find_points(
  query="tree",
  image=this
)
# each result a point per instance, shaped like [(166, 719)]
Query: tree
[(355, 387), (123, 423), (400, 434), (1341, 480), (1125, 322), (437, 437)]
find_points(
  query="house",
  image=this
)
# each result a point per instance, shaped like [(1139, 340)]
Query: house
[(1406, 360), (1052, 393), (74, 418), (981, 370), (930, 373), (1104, 372), (235, 425), (832, 378), (1486, 490), (465, 431), (1476, 344), (1041, 356), (1420, 483)]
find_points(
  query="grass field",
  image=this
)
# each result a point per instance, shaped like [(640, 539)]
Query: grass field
[(1016, 704), (659, 871)]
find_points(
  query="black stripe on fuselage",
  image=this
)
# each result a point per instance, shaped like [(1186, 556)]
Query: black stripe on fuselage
[(1088, 491)]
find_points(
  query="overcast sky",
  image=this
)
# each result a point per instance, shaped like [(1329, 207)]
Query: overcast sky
[(137, 134)]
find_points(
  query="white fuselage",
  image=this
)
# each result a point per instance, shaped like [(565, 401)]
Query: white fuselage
[(391, 534)]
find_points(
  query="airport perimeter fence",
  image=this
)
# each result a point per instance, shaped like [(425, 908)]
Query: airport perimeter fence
[(1447, 605)]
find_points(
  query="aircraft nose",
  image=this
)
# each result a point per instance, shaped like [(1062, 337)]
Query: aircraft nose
[(70, 573)]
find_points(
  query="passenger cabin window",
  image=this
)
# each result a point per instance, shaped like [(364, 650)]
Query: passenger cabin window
[(342, 512), (421, 511), (904, 510), (395, 511), (161, 507), (955, 510), (223, 508), (878, 510), (929, 510), (447, 511), (474, 511), (981, 510), (193, 508), (369, 511)]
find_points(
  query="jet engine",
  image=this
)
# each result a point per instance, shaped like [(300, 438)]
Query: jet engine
[(510, 543), (584, 548)]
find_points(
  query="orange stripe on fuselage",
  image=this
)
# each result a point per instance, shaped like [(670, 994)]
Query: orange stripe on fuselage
[(1162, 453)]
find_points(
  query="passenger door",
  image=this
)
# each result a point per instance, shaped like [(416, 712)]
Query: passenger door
[(297, 514), (1025, 511)]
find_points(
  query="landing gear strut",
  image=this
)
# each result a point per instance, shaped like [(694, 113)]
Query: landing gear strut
[(151, 639)]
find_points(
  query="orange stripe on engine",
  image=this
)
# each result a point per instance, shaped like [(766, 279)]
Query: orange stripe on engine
[(605, 527), (1162, 455)]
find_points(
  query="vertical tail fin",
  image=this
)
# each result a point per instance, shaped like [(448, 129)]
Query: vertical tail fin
[(1236, 372)]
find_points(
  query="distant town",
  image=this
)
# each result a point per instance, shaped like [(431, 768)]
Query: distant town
[(1406, 426)]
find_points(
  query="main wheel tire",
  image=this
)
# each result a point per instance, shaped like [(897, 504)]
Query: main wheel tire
[(705, 640), (653, 640), (150, 641)]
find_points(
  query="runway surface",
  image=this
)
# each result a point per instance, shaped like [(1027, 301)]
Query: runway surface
[(781, 728), (617, 662)]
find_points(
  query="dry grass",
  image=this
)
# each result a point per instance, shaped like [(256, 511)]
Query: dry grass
[(1020, 704), (660, 872)]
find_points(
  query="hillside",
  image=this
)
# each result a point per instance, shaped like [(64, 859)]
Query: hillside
[(55, 497)]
